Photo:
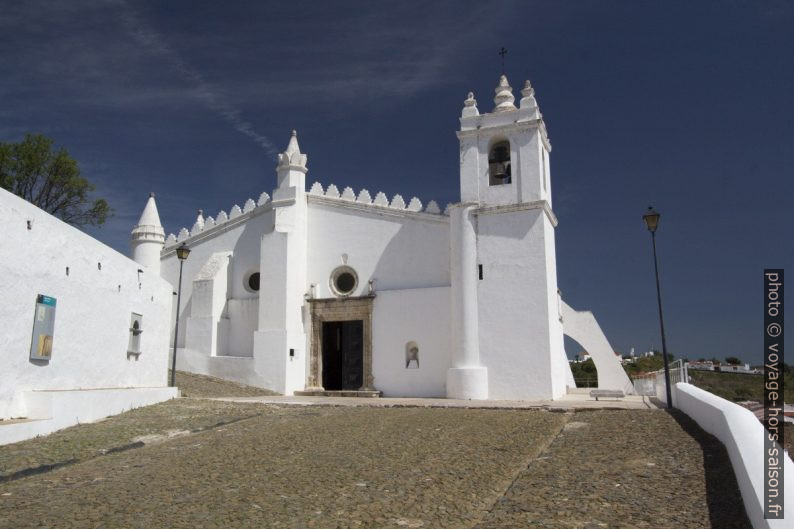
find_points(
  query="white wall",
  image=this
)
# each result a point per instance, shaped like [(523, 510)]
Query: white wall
[(240, 238), (583, 327), (92, 313), (520, 333), (743, 436), (421, 315), (397, 251)]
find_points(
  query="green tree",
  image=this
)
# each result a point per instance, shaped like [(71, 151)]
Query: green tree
[(51, 180), (732, 360)]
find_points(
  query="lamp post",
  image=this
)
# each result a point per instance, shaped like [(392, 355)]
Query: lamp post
[(651, 219), (181, 252)]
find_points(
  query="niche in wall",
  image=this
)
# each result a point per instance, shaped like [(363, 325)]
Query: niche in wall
[(411, 355)]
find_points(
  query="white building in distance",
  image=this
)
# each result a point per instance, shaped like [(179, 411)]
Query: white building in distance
[(325, 292)]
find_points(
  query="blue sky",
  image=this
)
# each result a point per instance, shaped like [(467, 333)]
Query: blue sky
[(687, 106)]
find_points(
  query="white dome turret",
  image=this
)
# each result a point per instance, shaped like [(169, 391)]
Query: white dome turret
[(148, 237)]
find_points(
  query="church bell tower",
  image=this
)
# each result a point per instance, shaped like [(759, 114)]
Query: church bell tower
[(506, 328), (504, 155)]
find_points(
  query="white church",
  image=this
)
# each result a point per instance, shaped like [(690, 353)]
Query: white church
[(321, 292)]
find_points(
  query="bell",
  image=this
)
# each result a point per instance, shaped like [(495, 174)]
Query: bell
[(499, 171), (500, 153)]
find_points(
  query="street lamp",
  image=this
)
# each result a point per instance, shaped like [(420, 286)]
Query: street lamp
[(181, 252), (651, 219)]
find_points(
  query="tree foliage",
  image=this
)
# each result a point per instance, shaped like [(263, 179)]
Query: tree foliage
[(732, 360), (51, 180)]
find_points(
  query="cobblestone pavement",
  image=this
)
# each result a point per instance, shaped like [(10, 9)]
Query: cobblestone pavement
[(121, 432), (334, 467), (623, 469), (193, 385)]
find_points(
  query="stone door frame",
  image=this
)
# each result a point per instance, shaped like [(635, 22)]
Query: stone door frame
[(339, 309)]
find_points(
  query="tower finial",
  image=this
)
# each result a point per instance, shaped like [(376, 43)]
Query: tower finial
[(502, 53), (292, 155), (470, 107), (528, 98), (504, 96)]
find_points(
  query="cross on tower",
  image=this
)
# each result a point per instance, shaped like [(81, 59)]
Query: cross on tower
[(503, 52)]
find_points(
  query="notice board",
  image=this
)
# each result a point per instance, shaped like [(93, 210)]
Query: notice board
[(43, 328)]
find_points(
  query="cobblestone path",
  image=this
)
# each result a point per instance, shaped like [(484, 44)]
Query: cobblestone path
[(193, 385), (625, 469), (330, 467)]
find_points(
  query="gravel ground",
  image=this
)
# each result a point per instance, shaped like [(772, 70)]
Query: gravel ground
[(329, 467), (193, 385)]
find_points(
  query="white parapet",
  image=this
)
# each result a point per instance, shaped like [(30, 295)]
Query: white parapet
[(743, 436), (49, 411)]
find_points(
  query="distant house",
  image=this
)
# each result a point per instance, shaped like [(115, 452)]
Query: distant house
[(702, 366), (738, 368)]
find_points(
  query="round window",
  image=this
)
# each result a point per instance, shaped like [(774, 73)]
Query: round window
[(251, 282), (344, 281)]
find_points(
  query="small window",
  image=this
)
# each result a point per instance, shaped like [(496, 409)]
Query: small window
[(251, 281), (499, 167), (136, 328), (344, 281)]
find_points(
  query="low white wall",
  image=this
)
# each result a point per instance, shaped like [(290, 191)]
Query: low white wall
[(54, 410), (743, 436), (234, 368), (95, 300), (419, 315)]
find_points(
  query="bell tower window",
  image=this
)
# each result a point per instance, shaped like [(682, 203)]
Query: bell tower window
[(499, 171)]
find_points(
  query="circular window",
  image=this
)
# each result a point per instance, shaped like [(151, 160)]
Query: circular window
[(251, 282), (344, 281)]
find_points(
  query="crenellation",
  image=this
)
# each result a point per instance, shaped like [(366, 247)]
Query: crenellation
[(264, 198), (349, 194), (249, 206), (364, 197), (415, 205), (381, 200), (235, 212), (332, 191), (432, 207), (317, 189), (397, 202), (183, 234), (221, 217)]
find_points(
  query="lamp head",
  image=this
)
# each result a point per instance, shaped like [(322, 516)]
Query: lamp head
[(651, 219), (182, 252)]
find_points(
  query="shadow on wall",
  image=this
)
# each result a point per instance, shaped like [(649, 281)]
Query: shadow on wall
[(510, 225), (246, 255), (416, 257), (724, 500)]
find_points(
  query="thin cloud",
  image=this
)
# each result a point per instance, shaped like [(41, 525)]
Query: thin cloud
[(154, 43)]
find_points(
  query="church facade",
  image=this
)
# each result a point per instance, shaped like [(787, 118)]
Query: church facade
[(321, 291)]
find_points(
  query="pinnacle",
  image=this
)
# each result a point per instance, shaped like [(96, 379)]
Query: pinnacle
[(504, 96), (293, 147)]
